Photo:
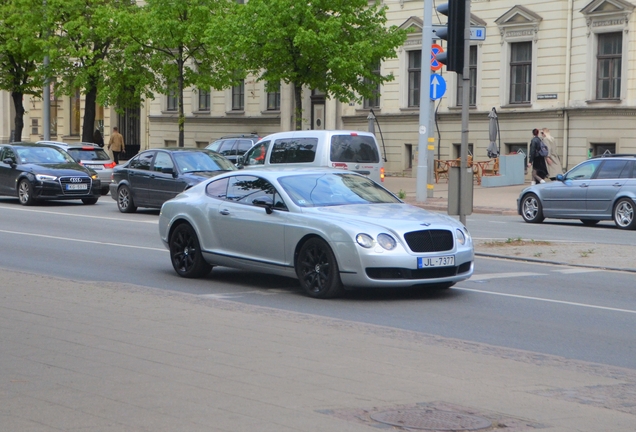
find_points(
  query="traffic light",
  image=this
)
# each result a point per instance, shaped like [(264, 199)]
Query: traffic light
[(453, 34)]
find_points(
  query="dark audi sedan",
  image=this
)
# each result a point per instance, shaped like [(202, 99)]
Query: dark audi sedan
[(155, 176), (35, 172)]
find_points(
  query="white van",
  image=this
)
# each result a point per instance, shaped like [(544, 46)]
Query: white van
[(352, 150)]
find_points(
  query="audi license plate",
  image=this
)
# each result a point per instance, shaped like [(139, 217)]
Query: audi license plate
[(76, 186), (440, 261)]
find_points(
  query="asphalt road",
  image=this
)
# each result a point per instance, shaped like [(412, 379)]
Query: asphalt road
[(571, 312)]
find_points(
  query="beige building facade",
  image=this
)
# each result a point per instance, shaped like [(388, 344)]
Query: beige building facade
[(568, 65)]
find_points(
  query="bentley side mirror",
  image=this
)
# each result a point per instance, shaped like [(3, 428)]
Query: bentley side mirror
[(265, 201)]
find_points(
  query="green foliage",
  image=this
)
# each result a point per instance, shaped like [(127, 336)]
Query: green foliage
[(22, 51), (330, 45), (21, 46), (170, 35), (87, 51)]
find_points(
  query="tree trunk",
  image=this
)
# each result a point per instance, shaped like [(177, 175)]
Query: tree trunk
[(298, 109), (88, 127), (19, 115), (181, 114)]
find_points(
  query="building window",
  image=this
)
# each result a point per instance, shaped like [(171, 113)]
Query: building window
[(599, 149), (204, 100), (415, 77), (520, 72), (35, 127), (238, 96), (273, 97), (472, 67), (609, 60), (75, 113), (172, 101), (374, 101), (457, 150)]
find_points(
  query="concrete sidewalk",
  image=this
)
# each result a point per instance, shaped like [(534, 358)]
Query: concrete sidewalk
[(112, 357), (493, 200)]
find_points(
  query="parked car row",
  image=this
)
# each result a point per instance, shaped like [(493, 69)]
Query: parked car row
[(290, 213)]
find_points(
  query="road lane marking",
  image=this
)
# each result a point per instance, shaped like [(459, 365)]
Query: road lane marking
[(547, 300), (118, 219), (487, 276), (223, 296), (577, 270), (83, 241)]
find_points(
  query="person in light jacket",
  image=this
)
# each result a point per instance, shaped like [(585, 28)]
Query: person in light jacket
[(116, 145), (553, 161)]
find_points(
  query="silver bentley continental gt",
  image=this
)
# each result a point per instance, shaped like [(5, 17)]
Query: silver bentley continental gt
[(331, 229)]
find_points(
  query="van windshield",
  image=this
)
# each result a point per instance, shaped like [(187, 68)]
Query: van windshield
[(354, 148)]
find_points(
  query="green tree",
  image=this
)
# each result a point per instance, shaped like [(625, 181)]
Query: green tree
[(87, 51), (328, 45), (171, 34), (22, 52)]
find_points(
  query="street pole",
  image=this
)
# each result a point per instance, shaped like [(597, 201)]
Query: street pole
[(46, 99), (465, 172), (424, 174)]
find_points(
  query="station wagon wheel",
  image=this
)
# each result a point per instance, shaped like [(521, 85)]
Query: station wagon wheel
[(317, 270), (624, 214), (25, 193), (531, 209), (185, 253), (125, 200)]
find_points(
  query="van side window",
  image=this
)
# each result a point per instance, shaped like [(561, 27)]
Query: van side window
[(256, 155), (354, 148), (294, 150)]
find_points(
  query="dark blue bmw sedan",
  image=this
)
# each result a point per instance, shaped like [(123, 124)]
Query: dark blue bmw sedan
[(154, 176)]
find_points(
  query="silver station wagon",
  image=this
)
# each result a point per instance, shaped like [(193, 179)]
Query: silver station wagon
[(602, 188)]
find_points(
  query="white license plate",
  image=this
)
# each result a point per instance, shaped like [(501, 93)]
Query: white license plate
[(440, 261), (76, 186), (95, 167)]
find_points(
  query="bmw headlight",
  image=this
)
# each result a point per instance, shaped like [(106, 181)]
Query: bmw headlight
[(387, 242), (45, 177), (460, 236), (365, 240)]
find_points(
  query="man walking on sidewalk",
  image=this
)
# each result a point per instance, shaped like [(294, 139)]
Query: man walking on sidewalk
[(116, 145)]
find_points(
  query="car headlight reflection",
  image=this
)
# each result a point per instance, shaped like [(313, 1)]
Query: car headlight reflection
[(387, 242), (45, 177), (384, 240), (460, 236), (365, 240)]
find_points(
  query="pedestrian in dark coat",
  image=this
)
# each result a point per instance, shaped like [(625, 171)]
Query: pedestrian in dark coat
[(539, 167), (98, 138)]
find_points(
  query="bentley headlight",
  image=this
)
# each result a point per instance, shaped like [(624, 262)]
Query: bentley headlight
[(387, 242), (44, 177), (460, 236), (365, 240)]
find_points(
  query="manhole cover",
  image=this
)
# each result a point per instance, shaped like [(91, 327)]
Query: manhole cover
[(432, 420)]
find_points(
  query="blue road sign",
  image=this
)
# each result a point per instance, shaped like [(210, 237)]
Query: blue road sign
[(438, 86)]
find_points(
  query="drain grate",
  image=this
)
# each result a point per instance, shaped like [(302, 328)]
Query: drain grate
[(432, 420)]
